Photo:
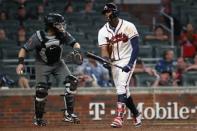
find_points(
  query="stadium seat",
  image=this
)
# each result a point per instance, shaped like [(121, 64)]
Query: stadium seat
[(78, 37), (33, 25), (190, 78), (1, 53), (10, 72), (9, 5), (156, 43), (86, 43), (10, 54), (99, 5), (9, 24), (78, 5), (9, 49), (146, 51), (144, 79), (142, 28), (8, 44), (159, 50)]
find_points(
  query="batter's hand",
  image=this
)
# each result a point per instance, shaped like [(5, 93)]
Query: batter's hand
[(127, 68), (107, 66), (19, 69)]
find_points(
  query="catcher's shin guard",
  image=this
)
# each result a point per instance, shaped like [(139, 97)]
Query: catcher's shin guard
[(40, 99), (68, 112), (118, 120), (39, 108), (70, 103)]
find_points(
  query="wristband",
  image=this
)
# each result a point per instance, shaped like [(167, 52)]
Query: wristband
[(21, 60)]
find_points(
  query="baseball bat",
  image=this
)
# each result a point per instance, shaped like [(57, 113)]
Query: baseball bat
[(100, 59)]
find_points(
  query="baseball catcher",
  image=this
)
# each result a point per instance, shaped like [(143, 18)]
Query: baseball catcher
[(48, 45)]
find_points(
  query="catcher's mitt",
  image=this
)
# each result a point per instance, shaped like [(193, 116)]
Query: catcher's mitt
[(75, 57)]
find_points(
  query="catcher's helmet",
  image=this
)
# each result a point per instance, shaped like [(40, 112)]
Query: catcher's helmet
[(110, 7), (53, 18)]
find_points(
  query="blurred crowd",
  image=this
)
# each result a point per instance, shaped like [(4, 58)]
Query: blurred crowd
[(167, 71)]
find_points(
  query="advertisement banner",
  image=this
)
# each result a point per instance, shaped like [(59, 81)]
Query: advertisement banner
[(170, 111)]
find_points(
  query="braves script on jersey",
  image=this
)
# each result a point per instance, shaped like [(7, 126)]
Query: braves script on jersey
[(119, 40)]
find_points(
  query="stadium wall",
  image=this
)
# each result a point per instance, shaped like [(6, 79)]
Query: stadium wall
[(93, 105)]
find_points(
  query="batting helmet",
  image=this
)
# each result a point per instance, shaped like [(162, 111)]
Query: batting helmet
[(111, 7), (53, 18)]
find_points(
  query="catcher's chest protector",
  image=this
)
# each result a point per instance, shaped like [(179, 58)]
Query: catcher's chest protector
[(51, 48)]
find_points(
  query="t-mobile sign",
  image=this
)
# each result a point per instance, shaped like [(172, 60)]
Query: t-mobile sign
[(171, 110)]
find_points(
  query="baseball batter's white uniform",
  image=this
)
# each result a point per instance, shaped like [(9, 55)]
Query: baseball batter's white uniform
[(119, 38)]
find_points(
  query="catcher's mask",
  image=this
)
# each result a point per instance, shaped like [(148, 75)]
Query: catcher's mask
[(55, 21)]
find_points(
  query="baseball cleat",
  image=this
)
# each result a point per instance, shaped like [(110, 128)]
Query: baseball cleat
[(117, 123), (137, 120), (72, 118), (40, 122)]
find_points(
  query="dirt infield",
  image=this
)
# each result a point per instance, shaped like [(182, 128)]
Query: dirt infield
[(106, 127)]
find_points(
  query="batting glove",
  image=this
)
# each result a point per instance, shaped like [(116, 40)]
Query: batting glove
[(107, 66), (126, 68)]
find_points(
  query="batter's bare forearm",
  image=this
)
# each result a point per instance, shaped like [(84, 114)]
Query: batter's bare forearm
[(21, 56), (22, 53), (104, 52)]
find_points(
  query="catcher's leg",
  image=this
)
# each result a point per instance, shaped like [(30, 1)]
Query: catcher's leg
[(69, 115), (40, 100), (70, 87)]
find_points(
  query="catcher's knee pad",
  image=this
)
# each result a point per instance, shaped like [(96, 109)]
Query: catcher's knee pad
[(71, 82), (41, 91)]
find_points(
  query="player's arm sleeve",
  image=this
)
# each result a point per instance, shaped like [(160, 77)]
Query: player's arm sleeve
[(135, 45), (133, 36), (32, 43), (70, 40)]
